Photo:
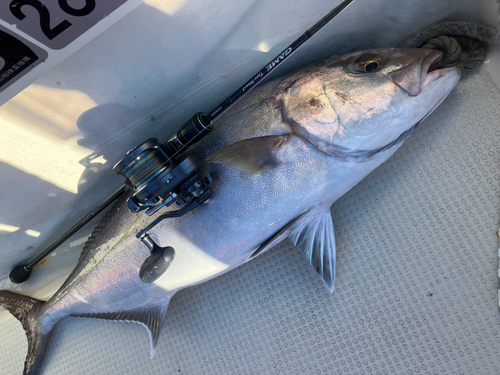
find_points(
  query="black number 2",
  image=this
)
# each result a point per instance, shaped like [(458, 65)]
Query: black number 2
[(15, 8)]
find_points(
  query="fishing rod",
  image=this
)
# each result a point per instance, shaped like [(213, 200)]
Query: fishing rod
[(160, 174)]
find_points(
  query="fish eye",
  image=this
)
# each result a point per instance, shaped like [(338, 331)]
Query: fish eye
[(368, 63), (371, 66)]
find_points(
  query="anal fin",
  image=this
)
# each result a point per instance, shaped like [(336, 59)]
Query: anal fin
[(151, 317)]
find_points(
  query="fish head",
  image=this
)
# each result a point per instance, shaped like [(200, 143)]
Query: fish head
[(366, 100)]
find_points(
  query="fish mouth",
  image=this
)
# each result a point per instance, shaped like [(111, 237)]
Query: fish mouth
[(430, 70), (413, 78)]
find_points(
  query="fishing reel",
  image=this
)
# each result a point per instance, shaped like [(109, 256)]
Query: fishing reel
[(160, 175)]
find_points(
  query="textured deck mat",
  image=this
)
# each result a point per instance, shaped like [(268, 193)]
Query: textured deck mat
[(415, 291)]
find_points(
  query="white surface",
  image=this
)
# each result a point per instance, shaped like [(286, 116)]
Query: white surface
[(417, 250)]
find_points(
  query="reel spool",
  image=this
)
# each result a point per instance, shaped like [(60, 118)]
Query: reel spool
[(159, 180)]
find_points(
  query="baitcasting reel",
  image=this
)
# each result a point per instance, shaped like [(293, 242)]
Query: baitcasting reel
[(160, 175), (159, 180)]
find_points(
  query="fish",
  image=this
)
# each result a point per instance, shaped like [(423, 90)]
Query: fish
[(278, 161)]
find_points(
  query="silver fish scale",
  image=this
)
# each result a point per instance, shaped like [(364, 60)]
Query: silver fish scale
[(415, 290)]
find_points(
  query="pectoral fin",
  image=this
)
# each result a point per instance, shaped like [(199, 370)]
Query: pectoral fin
[(254, 155), (316, 239)]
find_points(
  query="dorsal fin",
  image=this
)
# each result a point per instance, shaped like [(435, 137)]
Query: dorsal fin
[(316, 239), (151, 317)]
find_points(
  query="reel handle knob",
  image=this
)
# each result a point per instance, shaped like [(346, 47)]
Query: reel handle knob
[(157, 263)]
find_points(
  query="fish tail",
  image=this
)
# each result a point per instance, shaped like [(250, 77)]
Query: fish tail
[(25, 309)]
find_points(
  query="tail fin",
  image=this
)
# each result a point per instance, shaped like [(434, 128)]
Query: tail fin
[(25, 310)]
